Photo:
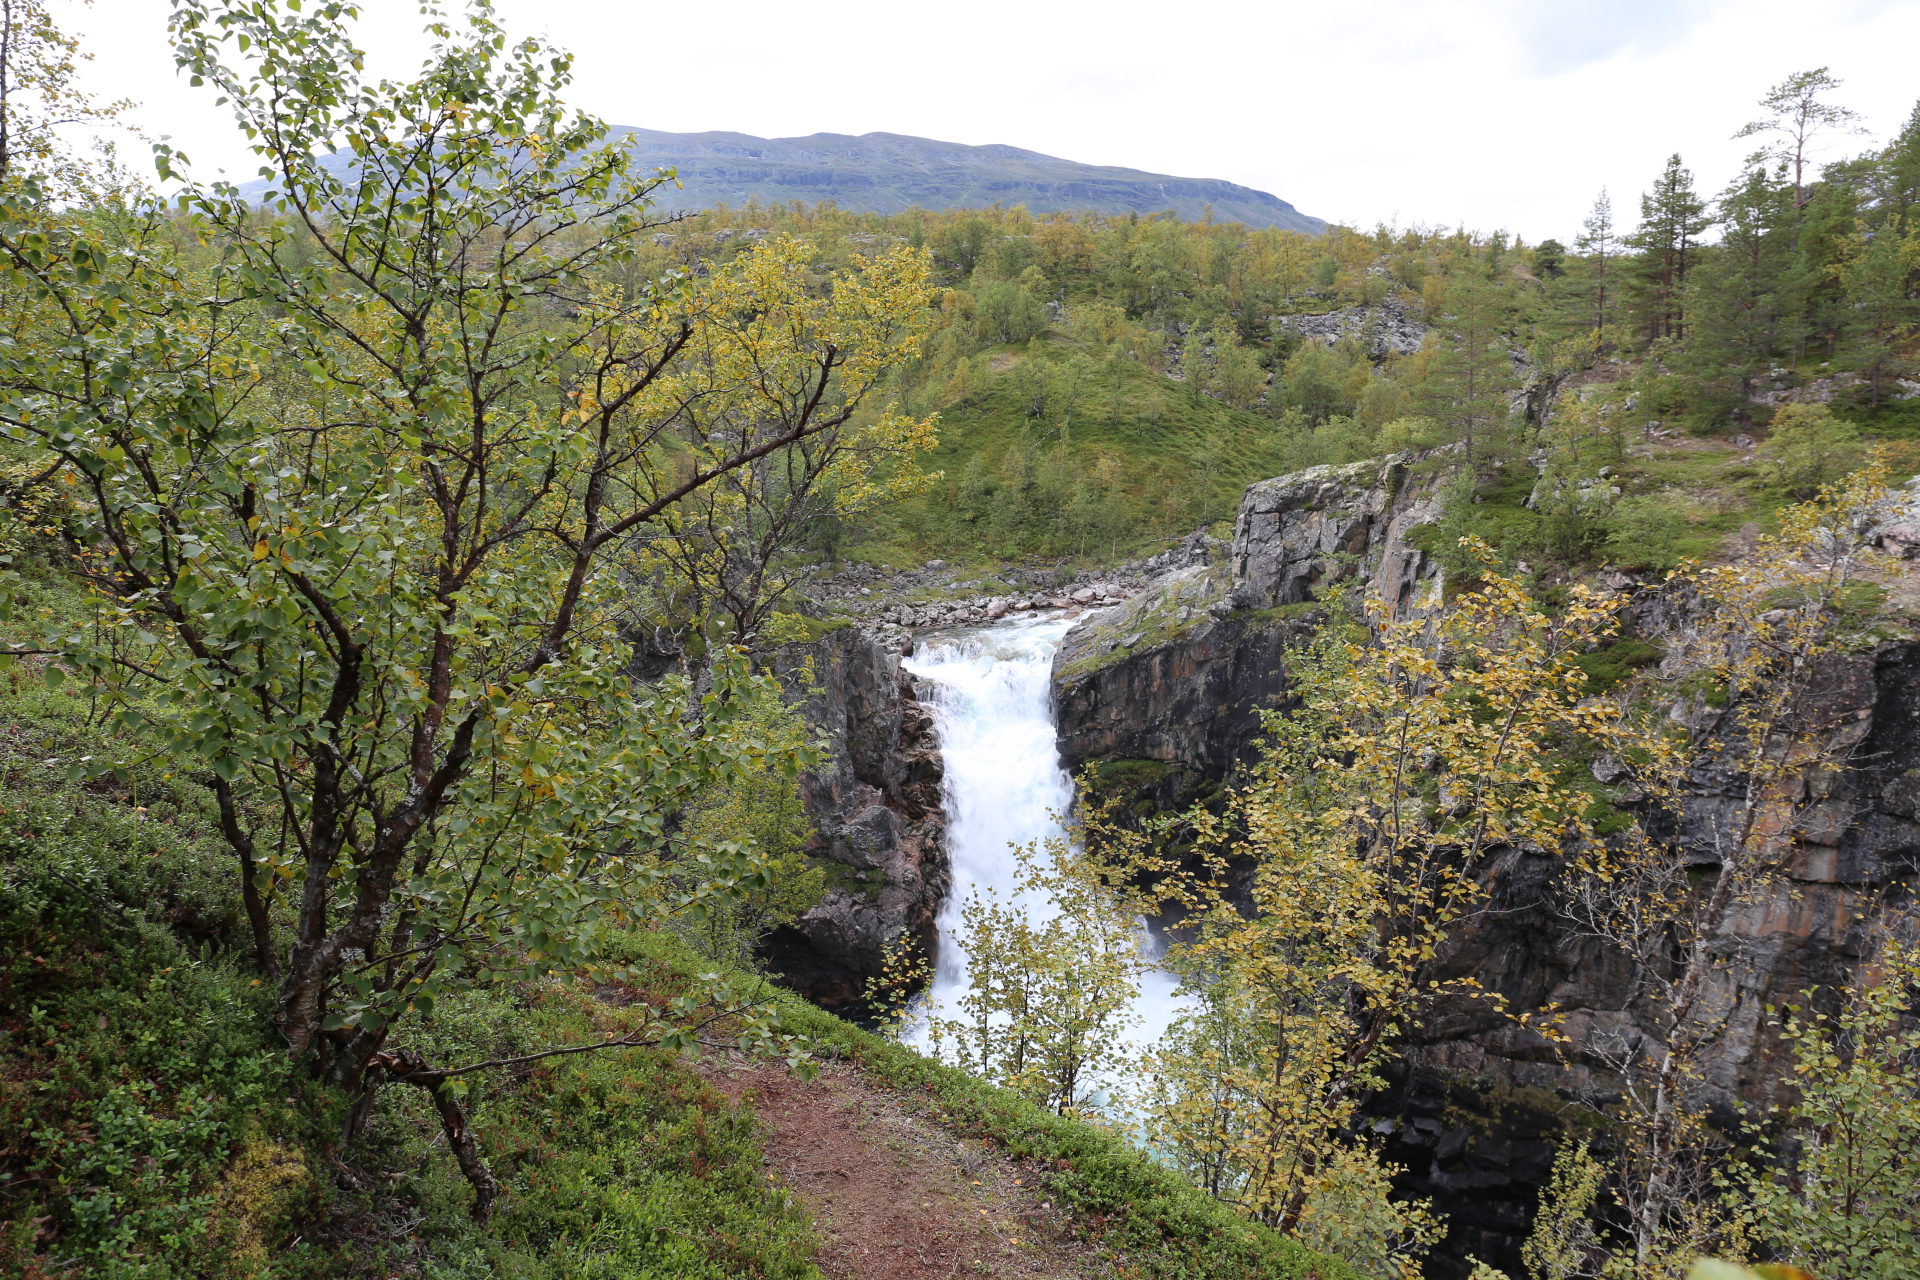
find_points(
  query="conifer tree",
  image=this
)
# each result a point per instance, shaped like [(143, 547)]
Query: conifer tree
[(1471, 372), (1825, 234), (1796, 113), (1741, 296), (1672, 218), (1880, 265), (1601, 245)]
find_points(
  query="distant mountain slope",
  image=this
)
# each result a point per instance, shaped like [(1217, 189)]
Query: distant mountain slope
[(889, 172)]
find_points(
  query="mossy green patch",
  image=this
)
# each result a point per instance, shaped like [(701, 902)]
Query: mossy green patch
[(1610, 664), (1111, 776)]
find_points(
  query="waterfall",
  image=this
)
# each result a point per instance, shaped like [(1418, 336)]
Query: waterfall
[(1005, 786)]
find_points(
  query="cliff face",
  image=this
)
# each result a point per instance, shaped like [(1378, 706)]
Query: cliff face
[(1857, 839), (1475, 1113), (1175, 678), (1178, 675), (1163, 679), (875, 805)]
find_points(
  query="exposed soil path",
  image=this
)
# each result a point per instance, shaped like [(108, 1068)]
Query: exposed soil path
[(895, 1197)]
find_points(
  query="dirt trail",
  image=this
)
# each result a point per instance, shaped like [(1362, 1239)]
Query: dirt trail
[(895, 1197)]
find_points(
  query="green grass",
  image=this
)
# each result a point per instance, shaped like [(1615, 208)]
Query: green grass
[(154, 1128), (1140, 458)]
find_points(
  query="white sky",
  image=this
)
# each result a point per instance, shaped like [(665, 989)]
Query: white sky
[(1489, 113)]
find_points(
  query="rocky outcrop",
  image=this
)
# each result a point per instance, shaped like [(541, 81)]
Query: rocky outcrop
[(1179, 674), (1784, 387), (1856, 839), (1297, 535), (1175, 677), (875, 806), (1384, 329), (1473, 1111)]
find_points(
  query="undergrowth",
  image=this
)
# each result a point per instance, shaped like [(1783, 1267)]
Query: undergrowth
[(153, 1128)]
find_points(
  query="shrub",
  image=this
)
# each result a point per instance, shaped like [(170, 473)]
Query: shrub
[(1808, 447)]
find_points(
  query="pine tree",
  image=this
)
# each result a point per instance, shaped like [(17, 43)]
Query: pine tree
[(1896, 199), (1795, 112), (1672, 218), (1467, 382), (1826, 235), (1601, 246), (1741, 295)]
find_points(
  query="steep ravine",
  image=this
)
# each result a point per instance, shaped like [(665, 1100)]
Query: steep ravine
[(1163, 692)]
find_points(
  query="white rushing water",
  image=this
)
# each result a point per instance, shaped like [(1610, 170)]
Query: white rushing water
[(1004, 784)]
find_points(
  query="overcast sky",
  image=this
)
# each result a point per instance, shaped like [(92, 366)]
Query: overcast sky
[(1489, 113)]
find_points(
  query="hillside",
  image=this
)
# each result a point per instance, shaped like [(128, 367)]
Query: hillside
[(152, 1122)]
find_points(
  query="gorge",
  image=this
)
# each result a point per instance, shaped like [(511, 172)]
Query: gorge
[(1162, 696)]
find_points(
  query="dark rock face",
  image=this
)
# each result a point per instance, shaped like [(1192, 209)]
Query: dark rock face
[(1476, 1147), (1176, 676), (1856, 842), (1193, 700), (875, 805), (1857, 837)]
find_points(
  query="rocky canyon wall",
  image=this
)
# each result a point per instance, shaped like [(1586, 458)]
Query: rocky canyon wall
[(1163, 695), (876, 808)]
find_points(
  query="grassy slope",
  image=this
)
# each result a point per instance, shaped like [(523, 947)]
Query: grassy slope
[(152, 1127), (1154, 457), (152, 1123)]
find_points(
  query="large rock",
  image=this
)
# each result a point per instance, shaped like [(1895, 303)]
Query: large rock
[(1299, 533), (875, 806), (1470, 1109), (1178, 676), (1174, 676)]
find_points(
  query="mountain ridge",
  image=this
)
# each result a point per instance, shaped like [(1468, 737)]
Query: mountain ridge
[(890, 172)]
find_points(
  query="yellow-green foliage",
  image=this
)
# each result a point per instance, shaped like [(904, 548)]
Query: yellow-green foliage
[(759, 807), (1049, 991), (1363, 824), (1845, 1207)]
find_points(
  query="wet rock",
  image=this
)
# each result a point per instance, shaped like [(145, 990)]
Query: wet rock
[(1138, 683)]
